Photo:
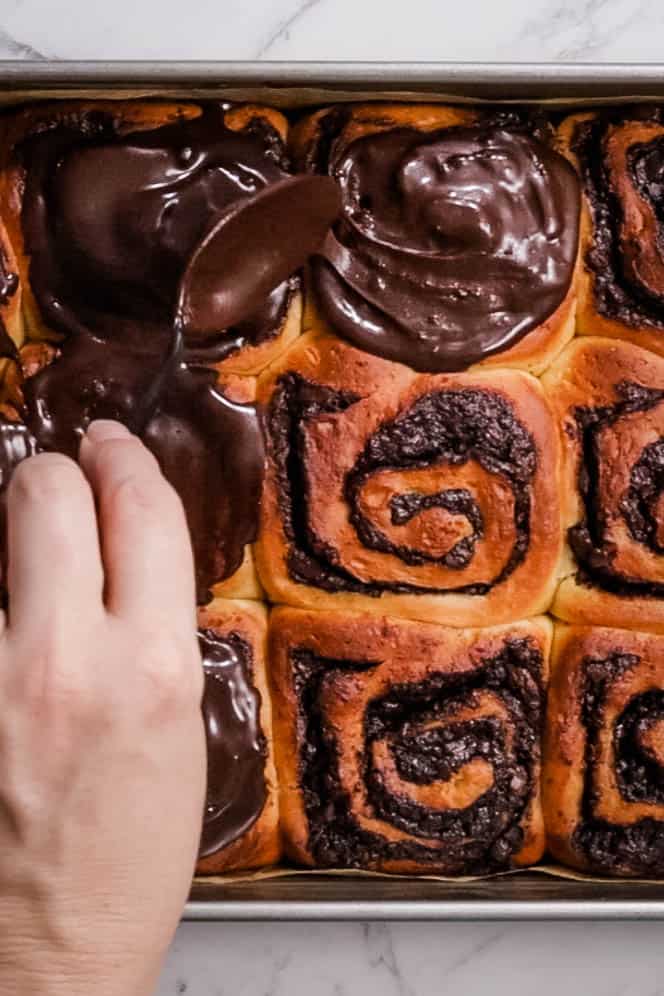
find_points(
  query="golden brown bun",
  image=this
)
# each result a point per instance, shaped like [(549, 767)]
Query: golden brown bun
[(22, 316), (492, 472), (617, 579), (311, 135), (625, 202), (260, 844), (603, 754), (370, 714)]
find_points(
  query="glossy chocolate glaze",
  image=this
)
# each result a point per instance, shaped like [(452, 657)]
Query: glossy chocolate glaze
[(617, 291), (108, 262), (452, 245), (637, 848), (445, 426), (258, 243), (111, 222), (592, 552), (236, 749), (427, 744), (8, 287)]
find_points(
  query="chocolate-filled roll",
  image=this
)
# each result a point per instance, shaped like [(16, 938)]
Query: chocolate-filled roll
[(406, 747), (608, 397), (104, 206), (619, 154), (105, 202), (433, 497), (603, 759), (240, 825), (458, 239), (204, 429)]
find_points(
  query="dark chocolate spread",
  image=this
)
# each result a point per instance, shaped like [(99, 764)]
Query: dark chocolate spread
[(111, 222), (452, 245), (236, 750), (428, 744), (593, 552), (635, 848), (8, 287), (452, 426)]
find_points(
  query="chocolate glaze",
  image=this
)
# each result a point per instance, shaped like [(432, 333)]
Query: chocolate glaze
[(636, 848), (8, 287), (593, 554), (617, 291), (111, 222), (236, 749), (257, 244), (452, 244), (451, 426), (479, 839), (109, 262)]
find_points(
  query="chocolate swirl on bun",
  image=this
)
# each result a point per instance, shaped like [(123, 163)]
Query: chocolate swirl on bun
[(407, 747), (609, 399), (433, 494), (603, 758)]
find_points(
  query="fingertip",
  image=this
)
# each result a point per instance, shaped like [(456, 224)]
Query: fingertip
[(103, 429), (52, 540)]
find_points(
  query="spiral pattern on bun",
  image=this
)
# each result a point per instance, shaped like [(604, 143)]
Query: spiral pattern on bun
[(604, 752), (619, 154), (407, 747), (433, 495), (609, 398)]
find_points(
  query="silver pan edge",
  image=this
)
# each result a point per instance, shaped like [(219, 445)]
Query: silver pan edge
[(530, 896)]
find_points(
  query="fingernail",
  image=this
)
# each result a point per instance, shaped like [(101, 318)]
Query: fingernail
[(103, 429)]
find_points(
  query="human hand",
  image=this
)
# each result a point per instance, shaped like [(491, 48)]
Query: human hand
[(102, 748)]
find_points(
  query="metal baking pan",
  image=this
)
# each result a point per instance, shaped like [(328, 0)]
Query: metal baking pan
[(529, 896)]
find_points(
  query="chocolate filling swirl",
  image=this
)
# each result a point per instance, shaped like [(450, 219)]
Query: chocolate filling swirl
[(636, 848), (639, 506), (622, 165), (414, 730), (452, 245), (443, 428)]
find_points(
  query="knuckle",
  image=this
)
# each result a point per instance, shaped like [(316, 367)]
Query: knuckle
[(171, 677), (49, 680), (134, 481)]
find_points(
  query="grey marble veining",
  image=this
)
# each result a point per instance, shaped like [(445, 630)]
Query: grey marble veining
[(397, 959), (333, 29), (415, 960)]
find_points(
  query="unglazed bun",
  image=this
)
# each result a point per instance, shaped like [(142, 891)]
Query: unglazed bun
[(430, 497), (603, 754), (240, 829), (407, 747), (618, 154), (608, 397), (435, 201)]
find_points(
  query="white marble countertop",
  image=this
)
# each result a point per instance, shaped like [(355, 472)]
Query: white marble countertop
[(346, 959)]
